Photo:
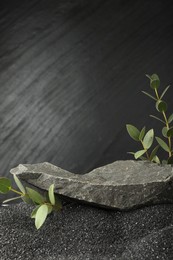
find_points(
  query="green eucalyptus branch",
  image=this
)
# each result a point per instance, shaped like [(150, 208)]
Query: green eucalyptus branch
[(44, 204), (147, 139)]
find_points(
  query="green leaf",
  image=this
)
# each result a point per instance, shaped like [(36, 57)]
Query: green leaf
[(139, 154), (26, 199), (5, 185), (11, 199), (149, 95), (33, 213), (148, 139), (142, 133), (19, 184), (170, 132), (155, 117), (50, 208), (170, 119), (163, 93), (164, 131), (131, 153), (156, 159), (161, 106), (148, 76), (163, 144), (154, 81), (41, 215), (143, 158), (133, 132), (35, 196), (51, 194), (153, 153)]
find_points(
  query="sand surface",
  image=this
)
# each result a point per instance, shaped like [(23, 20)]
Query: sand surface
[(84, 232)]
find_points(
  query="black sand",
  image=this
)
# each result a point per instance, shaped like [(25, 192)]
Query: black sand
[(84, 232)]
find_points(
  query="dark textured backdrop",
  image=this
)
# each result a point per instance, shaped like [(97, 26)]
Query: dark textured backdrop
[(71, 75)]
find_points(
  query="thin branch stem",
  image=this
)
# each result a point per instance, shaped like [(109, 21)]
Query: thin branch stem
[(16, 191), (166, 123)]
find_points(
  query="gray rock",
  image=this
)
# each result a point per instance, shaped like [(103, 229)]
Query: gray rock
[(122, 184)]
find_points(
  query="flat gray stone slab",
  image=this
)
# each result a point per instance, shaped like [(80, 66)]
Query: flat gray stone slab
[(122, 184)]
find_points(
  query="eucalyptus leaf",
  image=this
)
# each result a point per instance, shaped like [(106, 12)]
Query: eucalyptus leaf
[(149, 95), (131, 153), (170, 119), (50, 208), (148, 139), (170, 132), (32, 196), (163, 144), (156, 159), (5, 185), (148, 76), (161, 106), (133, 132), (142, 133), (35, 196), (26, 199), (19, 184), (143, 158), (11, 199), (153, 153), (155, 117), (139, 154), (41, 215), (51, 194), (33, 214), (164, 131), (163, 93), (154, 81)]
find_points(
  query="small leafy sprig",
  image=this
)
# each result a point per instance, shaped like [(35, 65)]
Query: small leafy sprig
[(147, 139), (44, 204)]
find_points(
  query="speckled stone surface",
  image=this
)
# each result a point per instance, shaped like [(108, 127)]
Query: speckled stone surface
[(82, 232), (122, 184)]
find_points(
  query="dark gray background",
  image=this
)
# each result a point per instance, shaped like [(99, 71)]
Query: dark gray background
[(71, 75)]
